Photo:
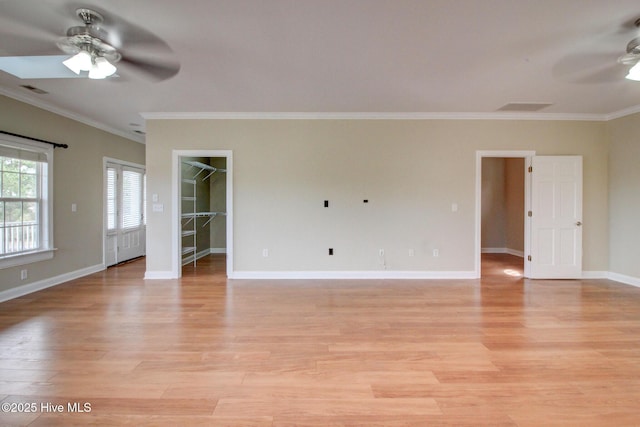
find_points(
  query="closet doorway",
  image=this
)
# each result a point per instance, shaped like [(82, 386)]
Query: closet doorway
[(204, 217), (502, 197)]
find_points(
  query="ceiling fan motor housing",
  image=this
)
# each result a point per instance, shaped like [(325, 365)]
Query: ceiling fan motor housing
[(89, 37)]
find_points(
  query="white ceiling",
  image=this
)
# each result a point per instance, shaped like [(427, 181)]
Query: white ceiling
[(386, 57)]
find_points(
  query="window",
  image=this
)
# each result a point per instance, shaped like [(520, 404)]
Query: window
[(131, 199), (25, 210)]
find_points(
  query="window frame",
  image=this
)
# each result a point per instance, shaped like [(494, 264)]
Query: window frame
[(46, 249)]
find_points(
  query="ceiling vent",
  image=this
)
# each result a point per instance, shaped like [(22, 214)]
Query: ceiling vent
[(524, 106)]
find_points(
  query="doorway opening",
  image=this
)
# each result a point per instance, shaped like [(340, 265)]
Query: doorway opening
[(202, 224), (502, 197)]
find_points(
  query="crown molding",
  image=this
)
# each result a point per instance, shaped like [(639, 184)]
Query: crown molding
[(622, 113), (368, 116), (68, 114)]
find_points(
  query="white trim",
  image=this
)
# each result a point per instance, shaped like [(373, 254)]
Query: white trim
[(480, 154), (509, 251), (494, 250), (106, 160), (176, 258), (622, 113), (374, 274), (217, 250), (159, 275), (515, 252), (49, 282), (70, 115), (26, 258), (369, 116), (622, 278)]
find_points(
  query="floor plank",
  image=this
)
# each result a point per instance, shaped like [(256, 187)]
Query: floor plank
[(207, 351)]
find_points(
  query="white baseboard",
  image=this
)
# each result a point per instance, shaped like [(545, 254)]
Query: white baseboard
[(218, 250), (29, 288), (509, 251), (628, 280), (352, 275), (159, 275)]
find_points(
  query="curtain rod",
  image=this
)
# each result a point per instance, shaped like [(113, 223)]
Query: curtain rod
[(55, 144)]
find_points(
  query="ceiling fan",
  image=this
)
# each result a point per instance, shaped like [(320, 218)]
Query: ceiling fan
[(632, 56), (96, 48)]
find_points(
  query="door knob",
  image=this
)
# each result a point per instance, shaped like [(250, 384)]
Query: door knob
[(578, 223)]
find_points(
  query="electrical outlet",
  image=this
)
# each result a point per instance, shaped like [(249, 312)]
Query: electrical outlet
[(23, 274), (436, 252), (265, 252), (381, 252)]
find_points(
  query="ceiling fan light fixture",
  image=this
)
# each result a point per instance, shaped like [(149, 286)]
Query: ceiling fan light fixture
[(634, 73), (101, 69), (79, 62)]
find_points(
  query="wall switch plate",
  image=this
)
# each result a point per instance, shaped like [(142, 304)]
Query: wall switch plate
[(454, 207), (74, 207), (265, 252), (411, 252), (436, 252), (381, 252)]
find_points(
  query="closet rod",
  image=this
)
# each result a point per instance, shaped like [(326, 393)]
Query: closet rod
[(55, 144)]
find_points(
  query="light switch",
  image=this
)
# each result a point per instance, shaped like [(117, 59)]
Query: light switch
[(74, 207), (454, 207)]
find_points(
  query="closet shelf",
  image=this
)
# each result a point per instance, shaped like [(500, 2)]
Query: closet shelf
[(188, 250), (210, 215), (203, 167)]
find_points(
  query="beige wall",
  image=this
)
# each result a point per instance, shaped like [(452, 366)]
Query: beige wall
[(514, 201), (494, 212), (411, 171), (78, 178), (624, 196)]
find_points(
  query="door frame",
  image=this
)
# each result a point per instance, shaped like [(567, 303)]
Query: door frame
[(526, 155), (105, 161), (176, 187)]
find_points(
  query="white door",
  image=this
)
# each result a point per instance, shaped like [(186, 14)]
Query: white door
[(556, 217), (125, 216)]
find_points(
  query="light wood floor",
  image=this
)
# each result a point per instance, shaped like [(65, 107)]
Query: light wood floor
[(204, 351)]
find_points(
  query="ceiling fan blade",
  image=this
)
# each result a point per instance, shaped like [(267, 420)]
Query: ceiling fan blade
[(44, 21), (589, 68), (29, 45), (123, 34), (156, 70)]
